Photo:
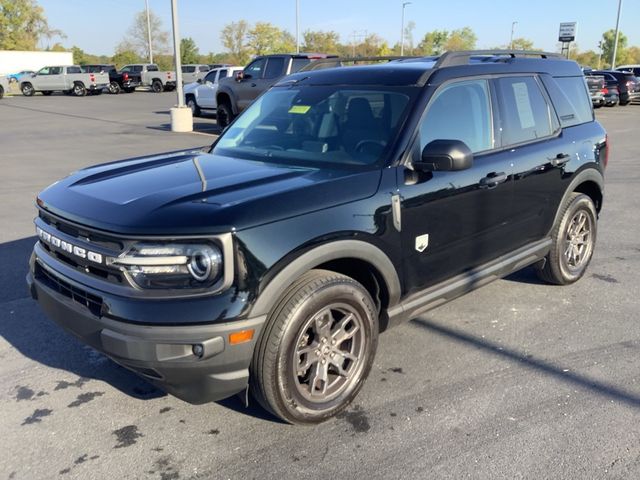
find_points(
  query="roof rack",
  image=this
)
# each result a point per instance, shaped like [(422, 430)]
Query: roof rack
[(340, 62), (451, 59)]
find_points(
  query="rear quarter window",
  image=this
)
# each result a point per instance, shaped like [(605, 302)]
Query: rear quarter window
[(570, 99)]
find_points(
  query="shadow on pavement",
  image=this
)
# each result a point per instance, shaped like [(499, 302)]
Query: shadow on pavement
[(578, 380), (27, 329)]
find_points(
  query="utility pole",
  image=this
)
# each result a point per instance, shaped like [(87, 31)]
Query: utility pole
[(297, 26), (599, 53), (615, 42), (404, 4), (181, 116), (513, 28), (146, 3)]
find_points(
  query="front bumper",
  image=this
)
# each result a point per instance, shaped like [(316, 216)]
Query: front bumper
[(164, 355)]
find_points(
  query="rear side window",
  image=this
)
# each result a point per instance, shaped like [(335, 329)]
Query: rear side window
[(223, 73), (570, 99), (275, 66), (152, 68), (460, 111), (203, 68), (298, 63), (73, 70), (525, 114), (188, 69)]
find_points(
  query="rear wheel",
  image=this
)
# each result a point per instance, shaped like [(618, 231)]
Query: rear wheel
[(79, 90), (114, 88), (317, 348), (27, 89), (574, 239), (46, 93), (224, 115), (156, 86), (1, 91), (193, 105)]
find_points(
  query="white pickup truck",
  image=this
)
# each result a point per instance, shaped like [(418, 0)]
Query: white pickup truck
[(4, 86), (200, 97), (67, 79), (152, 77)]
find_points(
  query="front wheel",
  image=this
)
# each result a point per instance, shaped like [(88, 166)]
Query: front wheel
[(224, 115), (193, 105), (317, 348), (574, 239)]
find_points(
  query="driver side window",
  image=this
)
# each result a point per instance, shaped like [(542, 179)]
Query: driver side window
[(256, 68), (459, 111)]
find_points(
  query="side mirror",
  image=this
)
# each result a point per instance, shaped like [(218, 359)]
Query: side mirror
[(445, 156)]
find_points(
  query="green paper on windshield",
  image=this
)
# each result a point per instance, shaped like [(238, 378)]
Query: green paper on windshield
[(300, 109)]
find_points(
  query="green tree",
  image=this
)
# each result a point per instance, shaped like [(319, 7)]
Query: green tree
[(125, 57), (22, 24), (587, 59), (320, 42), (137, 38), (265, 38), (189, 51), (433, 42), (608, 39), (462, 39), (522, 44), (234, 38)]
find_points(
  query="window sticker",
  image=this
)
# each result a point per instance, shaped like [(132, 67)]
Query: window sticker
[(523, 104), (300, 109)]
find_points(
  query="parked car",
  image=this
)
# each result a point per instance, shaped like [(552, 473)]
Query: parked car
[(203, 96), (118, 82), (67, 79), (596, 86), (235, 94), (341, 203), (15, 77), (152, 77), (627, 84), (194, 73), (4, 86), (635, 69)]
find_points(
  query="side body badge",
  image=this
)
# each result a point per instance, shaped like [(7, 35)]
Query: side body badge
[(422, 242)]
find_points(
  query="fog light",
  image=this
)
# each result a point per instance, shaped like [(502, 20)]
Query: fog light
[(198, 350)]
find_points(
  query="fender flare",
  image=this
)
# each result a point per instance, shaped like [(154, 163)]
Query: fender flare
[(324, 253), (587, 175), (229, 93)]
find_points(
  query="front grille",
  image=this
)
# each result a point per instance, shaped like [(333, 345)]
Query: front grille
[(78, 295)]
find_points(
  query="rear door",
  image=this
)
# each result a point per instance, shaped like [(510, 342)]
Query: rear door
[(463, 217), (56, 78)]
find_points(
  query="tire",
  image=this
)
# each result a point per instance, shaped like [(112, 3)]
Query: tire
[(46, 93), (27, 89), (156, 86), (129, 89), (169, 88), (114, 88), (224, 115), (624, 104), (574, 239), (1, 92), (193, 105), (79, 90), (325, 325)]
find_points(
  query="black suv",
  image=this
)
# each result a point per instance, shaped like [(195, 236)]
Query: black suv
[(342, 202), (118, 81)]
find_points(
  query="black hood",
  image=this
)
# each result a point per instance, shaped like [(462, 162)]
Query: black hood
[(193, 192)]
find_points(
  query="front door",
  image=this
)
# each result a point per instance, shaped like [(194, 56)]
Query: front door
[(246, 89), (455, 221)]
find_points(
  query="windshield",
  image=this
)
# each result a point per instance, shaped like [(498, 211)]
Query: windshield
[(318, 124)]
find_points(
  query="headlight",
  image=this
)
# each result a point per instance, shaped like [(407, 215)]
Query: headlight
[(172, 266)]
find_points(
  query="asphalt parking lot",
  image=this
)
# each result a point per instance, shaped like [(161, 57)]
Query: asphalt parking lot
[(516, 380)]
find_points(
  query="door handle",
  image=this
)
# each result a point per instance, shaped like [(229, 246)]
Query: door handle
[(493, 179), (560, 159)]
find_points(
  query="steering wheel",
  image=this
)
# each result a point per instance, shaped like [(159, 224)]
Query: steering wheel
[(362, 143)]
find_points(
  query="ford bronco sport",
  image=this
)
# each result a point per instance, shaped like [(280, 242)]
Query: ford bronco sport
[(342, 202)]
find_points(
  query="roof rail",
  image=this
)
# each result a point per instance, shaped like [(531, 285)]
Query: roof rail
[(450, 59), (340, 62)]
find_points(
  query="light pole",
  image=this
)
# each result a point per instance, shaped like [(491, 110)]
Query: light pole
[(181, 116), (615, 42), (297, 26), (404, 4), (513, 29), (146, 3)]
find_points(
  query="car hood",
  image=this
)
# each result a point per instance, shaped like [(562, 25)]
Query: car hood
[(191, 87), (192, 192)]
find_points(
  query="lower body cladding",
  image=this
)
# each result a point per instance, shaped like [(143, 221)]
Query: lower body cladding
[(195, 363)]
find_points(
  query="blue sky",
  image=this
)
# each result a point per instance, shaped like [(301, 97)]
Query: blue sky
[(97, 27)]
